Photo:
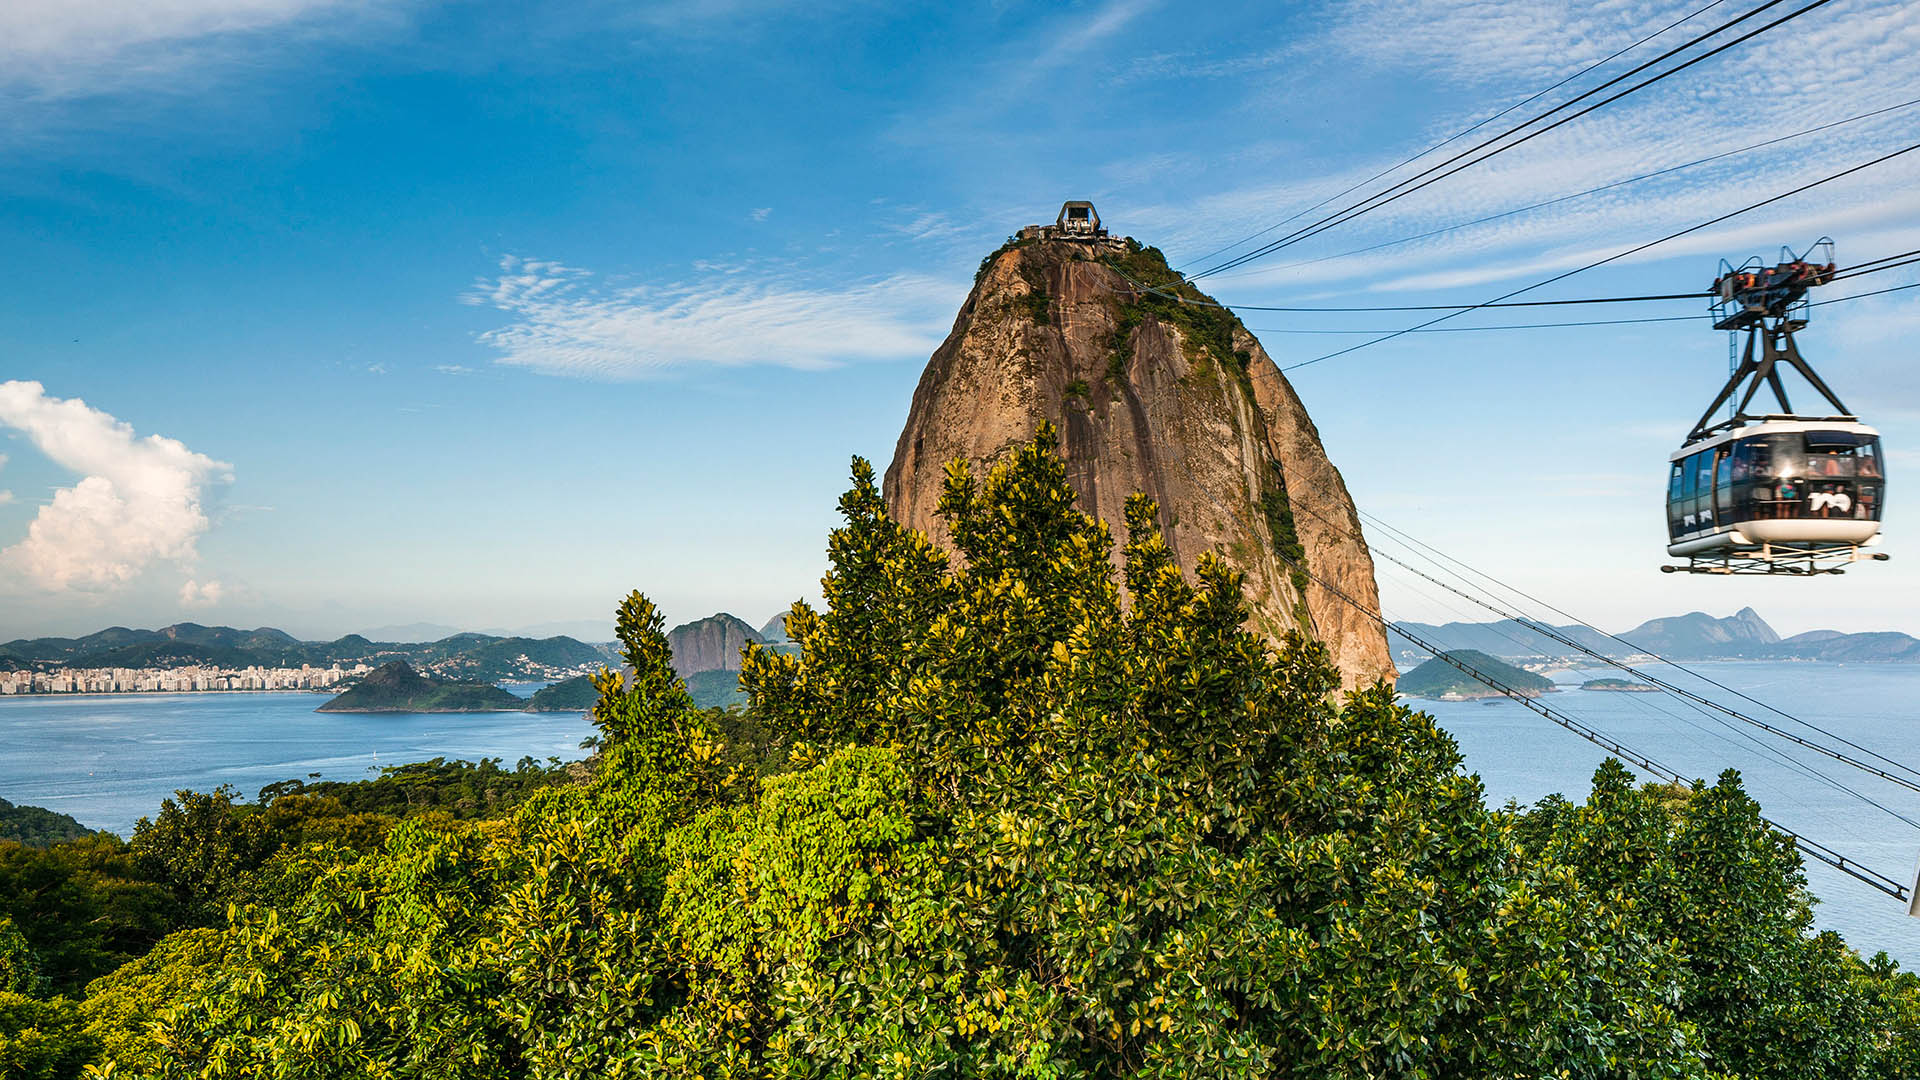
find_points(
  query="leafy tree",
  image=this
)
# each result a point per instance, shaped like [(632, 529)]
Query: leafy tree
[(1000, 814), (82, 907), (42, 1039)]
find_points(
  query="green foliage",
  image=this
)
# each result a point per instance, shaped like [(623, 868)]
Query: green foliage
[(42, 1039), (715, 689), (568, 695), (464, 789), (199, 848), (1078, 389), (1278, 512), (122, 1006), (1036, 303), (82, 907), (987, 820), (35, 827), (1207, 329), (19, 968)]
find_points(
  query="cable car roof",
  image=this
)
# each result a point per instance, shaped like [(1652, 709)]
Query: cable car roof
[(1773, 425)]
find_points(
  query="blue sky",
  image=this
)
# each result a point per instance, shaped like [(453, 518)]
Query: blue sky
[(331, 314)]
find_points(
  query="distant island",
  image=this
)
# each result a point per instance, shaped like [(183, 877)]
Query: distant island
[(395, 687), (568, 695), (1620, 686), (1440, 681), (37, 828)]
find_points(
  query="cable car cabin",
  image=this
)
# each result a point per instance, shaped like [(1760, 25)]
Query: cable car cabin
[(1778, 485), (1779, 492)]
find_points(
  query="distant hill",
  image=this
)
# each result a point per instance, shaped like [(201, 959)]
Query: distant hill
[(715, 689), (568, 695), (775, 630), (710, 644), (35, 827), (396, 687), (1694, 636), (1442, 681), (1699, 634), (485, 657)]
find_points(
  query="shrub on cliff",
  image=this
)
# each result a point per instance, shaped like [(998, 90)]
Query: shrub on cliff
[(1019, 828)]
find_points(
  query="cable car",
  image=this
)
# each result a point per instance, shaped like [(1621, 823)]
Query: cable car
[(1778, 492)]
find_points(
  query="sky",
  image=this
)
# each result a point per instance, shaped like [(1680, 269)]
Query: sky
[(338, 314)]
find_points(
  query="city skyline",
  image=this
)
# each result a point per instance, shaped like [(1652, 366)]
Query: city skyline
[(574, 337)]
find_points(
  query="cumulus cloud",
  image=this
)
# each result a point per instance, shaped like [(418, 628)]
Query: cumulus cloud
[(566, 321), (200, 593), (139, 500)]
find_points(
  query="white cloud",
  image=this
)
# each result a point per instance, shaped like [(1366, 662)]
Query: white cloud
[(200, 593), (761, 213), (454, 369), (139, 500), (54, 49), (568, 322)]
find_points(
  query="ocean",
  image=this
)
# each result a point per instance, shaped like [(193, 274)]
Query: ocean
[(109, 759), (1521, 756)]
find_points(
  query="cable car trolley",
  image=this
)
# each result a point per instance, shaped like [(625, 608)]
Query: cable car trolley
[(1775, 492)]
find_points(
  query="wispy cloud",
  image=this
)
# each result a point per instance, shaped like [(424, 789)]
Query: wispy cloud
[(139, 500), (57, 49), (1504, 49), (567, 321)]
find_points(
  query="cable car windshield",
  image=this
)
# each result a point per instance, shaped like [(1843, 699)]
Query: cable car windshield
[(1781, 475)]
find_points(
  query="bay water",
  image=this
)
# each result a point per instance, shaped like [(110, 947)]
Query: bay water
[(109, 759), (1523, 757)]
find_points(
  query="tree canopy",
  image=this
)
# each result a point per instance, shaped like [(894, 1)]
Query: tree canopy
[(1001, 814)]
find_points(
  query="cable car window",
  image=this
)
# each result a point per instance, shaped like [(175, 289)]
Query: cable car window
[(1703, 486), (1866, 459)]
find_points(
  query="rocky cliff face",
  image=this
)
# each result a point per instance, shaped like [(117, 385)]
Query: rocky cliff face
[(1175, 400), (710, 644)]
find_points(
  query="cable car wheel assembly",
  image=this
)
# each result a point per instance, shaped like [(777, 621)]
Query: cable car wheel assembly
[(1776, 492)]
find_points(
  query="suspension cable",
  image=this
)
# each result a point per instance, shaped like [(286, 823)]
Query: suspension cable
[(1582, 194), (1807, 846), (1457, 135), (1616, 256), (1362, 207), (1438, 555)]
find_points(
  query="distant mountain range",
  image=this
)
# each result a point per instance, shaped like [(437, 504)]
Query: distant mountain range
[(1694, 636), (482, 657)]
